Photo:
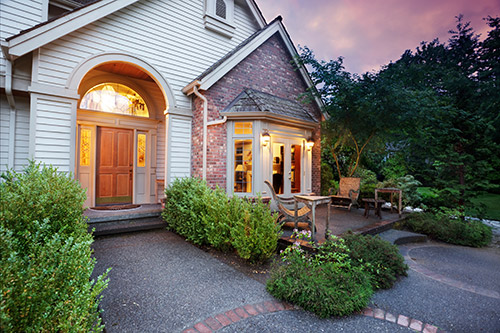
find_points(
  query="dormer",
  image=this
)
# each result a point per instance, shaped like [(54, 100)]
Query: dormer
[(219, 16)]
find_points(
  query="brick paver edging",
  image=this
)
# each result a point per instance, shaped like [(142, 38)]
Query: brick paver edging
[(405, 251), (227, 318)]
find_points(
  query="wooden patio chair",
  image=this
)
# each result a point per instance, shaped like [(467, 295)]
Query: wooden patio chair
[(287, 216), (348, 193)]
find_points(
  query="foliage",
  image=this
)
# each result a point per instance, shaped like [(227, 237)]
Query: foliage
[(449, 226), (255, 236), (184, 207), (381, 259), (326, 284), (38, 193), (368, 182), (210, 217), (45, 257), (408, 185), (491, 203)]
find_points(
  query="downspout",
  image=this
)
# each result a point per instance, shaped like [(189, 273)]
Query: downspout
[(12, 104), (205, 121)]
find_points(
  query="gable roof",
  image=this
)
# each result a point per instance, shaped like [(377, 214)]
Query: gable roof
[(251, 100), (220, 68), (93, 10)]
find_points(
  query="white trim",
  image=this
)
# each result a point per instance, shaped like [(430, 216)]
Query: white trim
[(85, 66), (52, 30), (50, 90), (276, 118), (261, 21)]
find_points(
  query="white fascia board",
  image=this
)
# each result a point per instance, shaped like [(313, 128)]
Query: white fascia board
[(256, 13), (269, 116), (38, 37), (236, 58)]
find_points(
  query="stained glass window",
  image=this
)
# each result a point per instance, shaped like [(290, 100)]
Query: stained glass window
[(115, 98), (141, 150), (85, 137)]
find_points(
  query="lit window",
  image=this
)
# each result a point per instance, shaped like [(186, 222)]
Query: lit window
[(243, 128), (243, 166), (141, 150), (85, 147), (115, 98), (220, 8)]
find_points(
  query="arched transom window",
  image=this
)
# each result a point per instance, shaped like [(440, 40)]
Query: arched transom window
[(115, 98)]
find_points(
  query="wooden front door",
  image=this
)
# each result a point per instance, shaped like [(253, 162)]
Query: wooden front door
[(114, 166)]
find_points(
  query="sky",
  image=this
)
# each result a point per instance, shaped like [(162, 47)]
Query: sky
[(370, 33)]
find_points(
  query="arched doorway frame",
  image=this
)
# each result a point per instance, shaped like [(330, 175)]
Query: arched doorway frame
[(77, 78)]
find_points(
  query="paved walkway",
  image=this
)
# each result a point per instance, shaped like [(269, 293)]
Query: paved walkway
[(160, 283)]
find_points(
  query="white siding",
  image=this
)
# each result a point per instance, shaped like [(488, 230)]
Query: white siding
[(169, 35), (53, 142), (15, 16), (21, 141), (179, 159)]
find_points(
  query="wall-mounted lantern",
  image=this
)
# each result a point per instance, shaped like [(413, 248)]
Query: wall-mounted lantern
[(266, 138), (310, 143)]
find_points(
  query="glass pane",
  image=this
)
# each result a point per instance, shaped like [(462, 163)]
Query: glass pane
[(115, 98), (85, 134), (243, 128), (141, 150), (278, 167), (243, 166), (295, 174)]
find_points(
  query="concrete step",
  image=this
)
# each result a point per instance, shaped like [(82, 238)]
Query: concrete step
[(108, 225), (400, 237)]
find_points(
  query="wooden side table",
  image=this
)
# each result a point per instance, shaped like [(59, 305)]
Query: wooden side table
[(392, 191), (377, 205), (313, 201)]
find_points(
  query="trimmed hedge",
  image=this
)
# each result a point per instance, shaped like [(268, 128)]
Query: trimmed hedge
[(45, 257), (452, 230), (209, 217)]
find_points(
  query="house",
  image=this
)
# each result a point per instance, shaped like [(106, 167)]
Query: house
[(130, 94)]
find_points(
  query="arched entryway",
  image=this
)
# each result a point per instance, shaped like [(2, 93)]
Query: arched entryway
[(120, 153)]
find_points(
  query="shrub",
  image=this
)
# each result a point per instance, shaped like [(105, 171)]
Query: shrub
[(450, 228), (408, 185), (381, 259), (186, 201), (368, 182), (210, 217), (38, 193), (326, 283), (255, 236), (45, 257)]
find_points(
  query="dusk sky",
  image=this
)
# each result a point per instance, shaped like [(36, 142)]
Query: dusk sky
[(371, 33)]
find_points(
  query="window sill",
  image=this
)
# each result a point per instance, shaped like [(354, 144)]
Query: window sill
[(218, 25)]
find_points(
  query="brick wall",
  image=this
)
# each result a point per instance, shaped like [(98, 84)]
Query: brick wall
[(267, 69)]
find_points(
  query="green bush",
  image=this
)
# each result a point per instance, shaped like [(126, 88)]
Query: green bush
[(185, 204), (450, 228), (408, 185), (381, 259), (45, 257), (368, 182), (255, 236), (210, 217), (38, 193), (325, 283)]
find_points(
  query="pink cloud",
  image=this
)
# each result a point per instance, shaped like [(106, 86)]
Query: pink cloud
[(369, 34)]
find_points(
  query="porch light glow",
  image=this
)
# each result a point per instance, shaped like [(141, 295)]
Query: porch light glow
[(310, 143), (266, 138)]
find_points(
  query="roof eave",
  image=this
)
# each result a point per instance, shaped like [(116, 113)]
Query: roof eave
[(277, 118), (32, 39)]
